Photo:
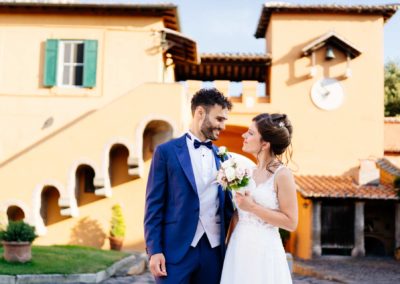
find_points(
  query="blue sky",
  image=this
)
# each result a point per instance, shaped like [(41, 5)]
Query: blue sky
[(229, 25)]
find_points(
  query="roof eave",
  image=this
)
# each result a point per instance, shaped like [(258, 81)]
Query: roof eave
[(168, 12), (387, 11)]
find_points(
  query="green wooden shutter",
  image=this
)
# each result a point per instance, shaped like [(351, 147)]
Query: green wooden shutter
[(50, 67), (89, 63)]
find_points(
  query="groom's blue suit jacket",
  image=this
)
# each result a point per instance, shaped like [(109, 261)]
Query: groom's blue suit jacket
[(172, 204)]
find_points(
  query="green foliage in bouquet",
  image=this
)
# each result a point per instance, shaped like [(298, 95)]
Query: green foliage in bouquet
[(18, 231), (238, 185), (118, 226)]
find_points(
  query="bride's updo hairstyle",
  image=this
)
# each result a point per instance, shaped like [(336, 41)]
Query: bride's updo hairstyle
[(276, 129)]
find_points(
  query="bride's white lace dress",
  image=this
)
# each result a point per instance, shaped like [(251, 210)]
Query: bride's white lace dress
[(255, 253)]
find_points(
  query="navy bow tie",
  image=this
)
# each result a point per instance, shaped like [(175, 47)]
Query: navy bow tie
[(197, 144)]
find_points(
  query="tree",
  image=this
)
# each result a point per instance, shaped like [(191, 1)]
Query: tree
[(392, 89)]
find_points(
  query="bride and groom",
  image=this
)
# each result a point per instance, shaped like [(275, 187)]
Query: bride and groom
[(187, 215)]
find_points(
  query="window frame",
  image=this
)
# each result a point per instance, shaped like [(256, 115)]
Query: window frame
[(62, 63)]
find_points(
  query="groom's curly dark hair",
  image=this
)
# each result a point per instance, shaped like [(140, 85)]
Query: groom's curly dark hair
[(208, 98)]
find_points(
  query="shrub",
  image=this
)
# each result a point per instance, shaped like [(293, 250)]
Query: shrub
[(117, 222), (18, 231)]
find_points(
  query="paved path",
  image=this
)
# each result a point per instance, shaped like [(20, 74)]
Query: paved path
[(366, 270), (146, 278), (339, 269)]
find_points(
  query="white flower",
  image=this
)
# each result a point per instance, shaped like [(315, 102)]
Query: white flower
[(230, 174), (240, 173), (222, 151), (228, 163)]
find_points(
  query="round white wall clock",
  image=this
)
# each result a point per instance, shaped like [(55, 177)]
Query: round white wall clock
[(327, 94)]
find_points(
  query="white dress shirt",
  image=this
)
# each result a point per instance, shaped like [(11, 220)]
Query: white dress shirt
[(205, 172)]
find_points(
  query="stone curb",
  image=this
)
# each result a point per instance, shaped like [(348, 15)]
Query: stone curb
[(306, 270), (69, 278)]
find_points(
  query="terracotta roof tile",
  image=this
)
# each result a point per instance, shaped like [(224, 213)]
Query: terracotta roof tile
[(386, 11), (388, 166), (341, 187), (167, 11)]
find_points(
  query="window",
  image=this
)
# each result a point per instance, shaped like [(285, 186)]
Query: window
[(70, 69), (70, 63)]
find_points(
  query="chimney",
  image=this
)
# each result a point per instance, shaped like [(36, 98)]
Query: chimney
[(368, 173)]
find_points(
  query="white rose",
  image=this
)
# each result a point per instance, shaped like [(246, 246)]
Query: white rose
[(228, 163), (230, 174), (240, 173), (222, 150)]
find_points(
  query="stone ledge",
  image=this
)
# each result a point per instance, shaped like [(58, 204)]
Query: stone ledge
[(306, 270), (130, 261)]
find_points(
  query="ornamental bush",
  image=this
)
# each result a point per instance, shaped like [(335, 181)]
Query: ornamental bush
[(18, 231)]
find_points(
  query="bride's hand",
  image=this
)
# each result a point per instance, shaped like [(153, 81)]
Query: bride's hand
[(244, 201)]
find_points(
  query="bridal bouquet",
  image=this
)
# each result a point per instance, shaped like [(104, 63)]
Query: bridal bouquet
[(231, 176)]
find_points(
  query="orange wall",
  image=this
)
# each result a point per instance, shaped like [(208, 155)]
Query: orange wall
[(300, 243)]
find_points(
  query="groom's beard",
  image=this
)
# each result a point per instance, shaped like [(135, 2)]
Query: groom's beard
[(208, 130)]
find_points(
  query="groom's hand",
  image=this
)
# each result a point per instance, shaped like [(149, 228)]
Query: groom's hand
[(157, 265)]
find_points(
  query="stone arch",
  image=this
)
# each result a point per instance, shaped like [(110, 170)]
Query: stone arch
[(84, 189), (155, 133), (141, 128), (37, 219), (118, 168), (106, 181), (16, 208), (15, 213), (71, 200), (50, 210)]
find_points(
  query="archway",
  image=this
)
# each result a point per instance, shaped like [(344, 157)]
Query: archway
[(15, 213), (118, 168), (49, 209), (155, 133), (84, 187)]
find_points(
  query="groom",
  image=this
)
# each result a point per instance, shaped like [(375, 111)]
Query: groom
[(187, 213)]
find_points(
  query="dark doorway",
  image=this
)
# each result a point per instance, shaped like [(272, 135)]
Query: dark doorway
[(379, 227), (337, 227)]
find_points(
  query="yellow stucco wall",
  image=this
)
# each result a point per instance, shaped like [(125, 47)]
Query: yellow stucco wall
[(329, 142), (119, 107), (128, 55)]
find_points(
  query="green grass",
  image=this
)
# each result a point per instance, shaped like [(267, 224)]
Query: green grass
[(62, 260)]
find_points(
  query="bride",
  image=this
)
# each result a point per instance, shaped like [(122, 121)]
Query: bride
[(255, 252)]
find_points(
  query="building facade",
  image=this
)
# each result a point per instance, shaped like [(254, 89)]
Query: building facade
[(98, 86)]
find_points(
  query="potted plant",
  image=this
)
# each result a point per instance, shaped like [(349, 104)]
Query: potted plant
[(117, 230), (17, 239)]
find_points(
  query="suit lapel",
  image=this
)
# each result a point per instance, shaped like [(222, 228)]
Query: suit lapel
[(182, 152)]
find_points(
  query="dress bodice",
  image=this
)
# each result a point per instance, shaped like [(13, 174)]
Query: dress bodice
[(255, 252), (265, 195)]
